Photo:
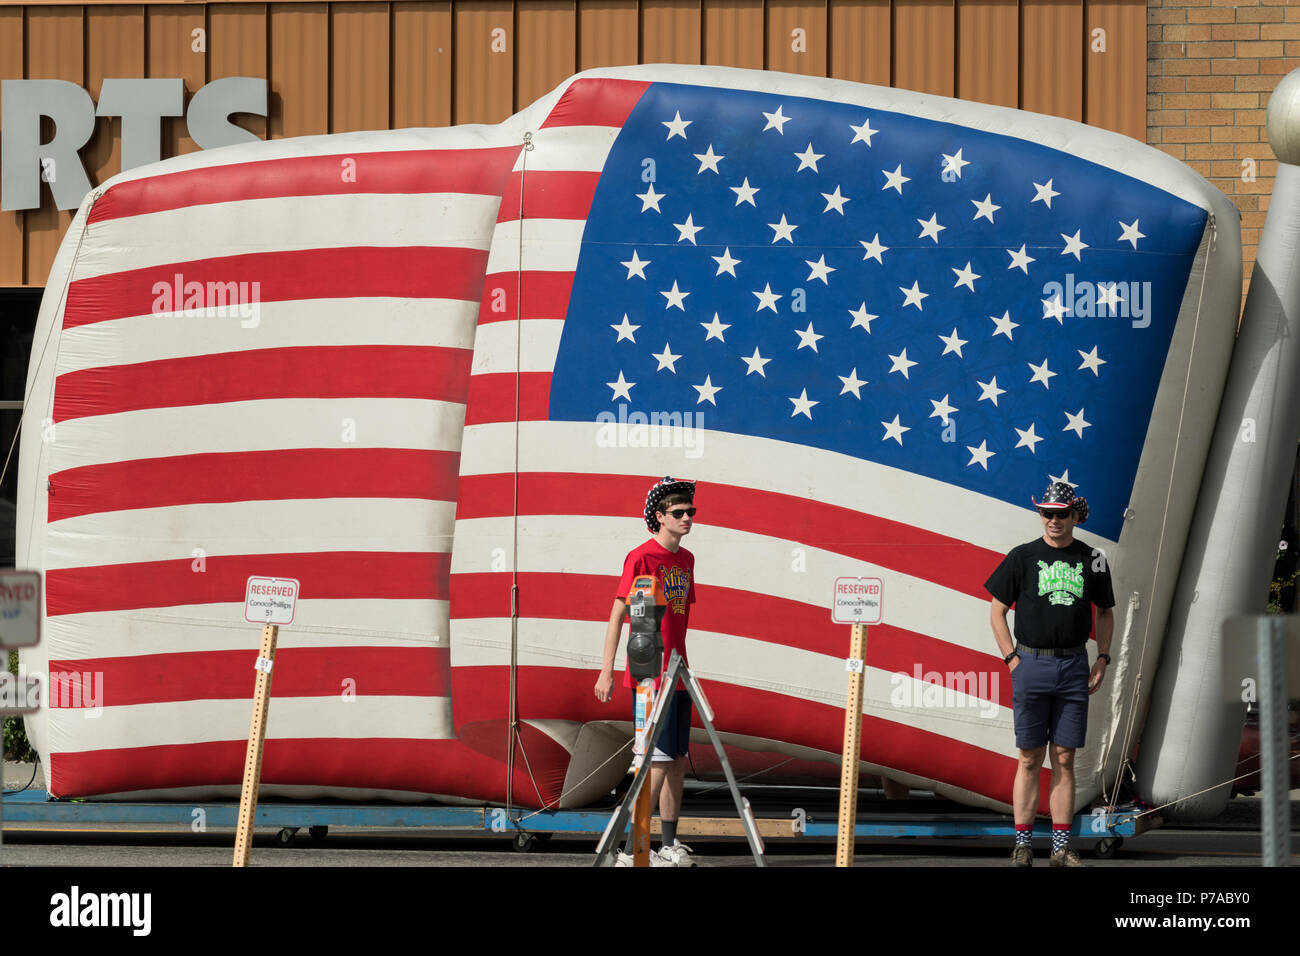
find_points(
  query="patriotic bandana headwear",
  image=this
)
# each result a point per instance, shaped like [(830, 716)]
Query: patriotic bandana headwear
[(660, 491), (1061, 495)]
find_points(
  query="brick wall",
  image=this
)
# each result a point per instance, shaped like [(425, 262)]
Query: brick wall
[(1211, 66)]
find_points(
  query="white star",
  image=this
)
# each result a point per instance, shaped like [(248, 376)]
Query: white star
[(667, 360), (1027, 438), (776, 121), (985, 209), (966, 277), (675, 297), (852, 383), (931, 227), (808, 338), (1108, 296), (783, 231), (1004, 325), (803, 405), (913, 296), (767, 298), (635, 266), (901, 363), (895, 430), (1045, 193), (863, 133), (942, 409), (952, 343), (1091, 361), (708, 160), (715, 328), (707, 391), (650, 199), (835, 201), (862, 317), (808, 160), (687, 230), (1130, 232), (1053, 309), (1020, 260), (725, 262), (755, 363), (895, 182), (677, 126), (980, 456), (990, 390), (1074, 245), (621, 388), (1041, 374), (874, 249), (625, 330), (745, 193), (820, 270), (1065, 477), (954, 164), (1076, 423)]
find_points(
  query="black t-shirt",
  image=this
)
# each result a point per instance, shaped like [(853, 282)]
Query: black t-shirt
[(1053, 590)]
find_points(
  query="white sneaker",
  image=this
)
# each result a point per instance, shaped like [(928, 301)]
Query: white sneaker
[(626, 859), (679, 854)]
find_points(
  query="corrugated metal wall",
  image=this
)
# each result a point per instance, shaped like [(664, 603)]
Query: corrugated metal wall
[(368, 64)]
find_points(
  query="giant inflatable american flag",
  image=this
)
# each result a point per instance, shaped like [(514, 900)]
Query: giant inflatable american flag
[(870, 323)]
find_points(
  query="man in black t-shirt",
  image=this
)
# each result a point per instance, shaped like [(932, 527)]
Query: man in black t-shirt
[(1053, 582)]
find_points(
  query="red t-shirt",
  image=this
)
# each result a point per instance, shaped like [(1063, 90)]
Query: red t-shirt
[(676, 574)]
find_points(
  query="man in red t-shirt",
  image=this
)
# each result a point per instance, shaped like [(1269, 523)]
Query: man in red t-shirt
[(669, 514)]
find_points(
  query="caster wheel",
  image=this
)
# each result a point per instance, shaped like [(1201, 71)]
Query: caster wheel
[(523, 842), (286, 835), (318, 833), (1108, 847)]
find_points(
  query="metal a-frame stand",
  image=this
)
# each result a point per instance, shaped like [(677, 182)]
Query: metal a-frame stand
[(610, 839)]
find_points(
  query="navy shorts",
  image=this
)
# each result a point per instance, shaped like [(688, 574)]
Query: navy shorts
[(675, 739), (1049, 698)]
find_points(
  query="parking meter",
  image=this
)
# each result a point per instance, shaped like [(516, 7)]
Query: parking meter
[(645, 646)]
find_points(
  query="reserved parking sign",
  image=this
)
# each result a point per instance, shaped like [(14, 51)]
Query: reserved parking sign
[(270, 600)]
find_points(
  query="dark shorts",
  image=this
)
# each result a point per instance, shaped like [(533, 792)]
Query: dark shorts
[(1049, 698), (675, 740)]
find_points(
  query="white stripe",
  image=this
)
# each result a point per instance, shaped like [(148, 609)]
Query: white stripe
[(354, 622), (774, 668), (448, 323), (283, 224), (578, 544), (567, 149), (550, 245), (279, 526), (194, 722), (799, 471), (264, 425), (496, 348)]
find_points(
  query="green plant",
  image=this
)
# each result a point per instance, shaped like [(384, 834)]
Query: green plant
[(17, 746), (1280, 584)]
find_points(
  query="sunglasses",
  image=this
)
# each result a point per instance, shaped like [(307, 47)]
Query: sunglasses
[(1054, 512), (680, 513)]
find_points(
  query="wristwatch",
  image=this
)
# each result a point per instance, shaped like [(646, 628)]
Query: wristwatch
[(1105, 657), (1007, 659)]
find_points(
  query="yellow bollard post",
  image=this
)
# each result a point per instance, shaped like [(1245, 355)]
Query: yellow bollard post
[(852, 748)]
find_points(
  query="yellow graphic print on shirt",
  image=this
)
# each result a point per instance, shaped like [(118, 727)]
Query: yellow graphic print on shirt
[(677, 587)]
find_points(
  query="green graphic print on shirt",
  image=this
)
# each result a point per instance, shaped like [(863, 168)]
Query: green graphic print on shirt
[(1062, 582)]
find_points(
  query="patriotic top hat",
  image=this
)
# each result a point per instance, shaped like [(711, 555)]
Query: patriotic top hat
[(661, 490), (1060, 495)]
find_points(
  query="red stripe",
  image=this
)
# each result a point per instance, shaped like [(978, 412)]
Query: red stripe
[(229, 675), (492, 399), (596, 102), (294, 473), (411, 272), (318, 371), (324, 575), (546, 295), (551, 195), (479, 695), (760, 617), (419, 766), (475, 171), (948, 562)]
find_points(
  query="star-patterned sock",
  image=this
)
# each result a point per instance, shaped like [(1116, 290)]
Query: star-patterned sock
[(1060, 837), (1024, 833)]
